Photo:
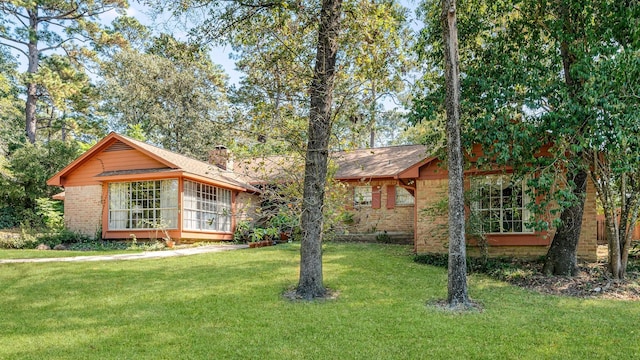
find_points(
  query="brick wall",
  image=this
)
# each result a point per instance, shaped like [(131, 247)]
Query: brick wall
[(588, 243), (431, 228), (246, 205), (83, 209), (432, 236), (366, 219)]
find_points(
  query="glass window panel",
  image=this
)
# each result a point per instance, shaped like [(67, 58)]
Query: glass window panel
[(362, 196), (140, 205), (203, 207), (502, 203)]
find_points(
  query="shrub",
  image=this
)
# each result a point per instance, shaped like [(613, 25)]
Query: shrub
[(9, 217), (501, 267), (22, 240), (50, 213), (383, 237), (63, 236), (242, 233), (99, 245)]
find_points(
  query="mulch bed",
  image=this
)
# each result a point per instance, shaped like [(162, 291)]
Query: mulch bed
[(593, 281)]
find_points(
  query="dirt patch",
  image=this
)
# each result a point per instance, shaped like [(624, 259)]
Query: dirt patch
[(291, 295), (470, 307), (592, 281)]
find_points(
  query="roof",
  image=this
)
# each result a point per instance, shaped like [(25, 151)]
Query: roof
[(59, 196), (381, 162), (172, 160), (385, 162), (193, 166)]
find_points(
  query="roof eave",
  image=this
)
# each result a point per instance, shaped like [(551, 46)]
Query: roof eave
[(368, 177), (413, 171), (219, 183)]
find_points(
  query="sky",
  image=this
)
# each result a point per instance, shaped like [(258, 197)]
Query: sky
[(219, 54)]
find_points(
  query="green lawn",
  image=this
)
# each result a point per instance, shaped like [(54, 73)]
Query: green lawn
[(37, 254), (229, 305)]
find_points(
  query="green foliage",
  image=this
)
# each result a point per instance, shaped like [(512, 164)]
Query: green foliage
[(135, 131), (242, 232), (63, 236), (172, 94), (285, 222), (22, 240), (56, 87), (68, 101), (500, 268), (23, 181), (9, 217), (274, 48), (253, 232), (383, 237), (98, 245), (561, 75), (51, 213)]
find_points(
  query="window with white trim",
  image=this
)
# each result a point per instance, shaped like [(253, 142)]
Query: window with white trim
[(501, 204), (403, 196), (362, 196), (143, 205), (206, 207)]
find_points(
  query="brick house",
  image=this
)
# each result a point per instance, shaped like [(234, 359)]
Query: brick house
[(123, 187), (391, 187)]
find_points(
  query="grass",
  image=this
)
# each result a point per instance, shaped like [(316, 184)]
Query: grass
[(38, 254), (230, 305)]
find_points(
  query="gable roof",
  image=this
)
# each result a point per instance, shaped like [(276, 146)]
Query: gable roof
[(385, 162), (173, 161)]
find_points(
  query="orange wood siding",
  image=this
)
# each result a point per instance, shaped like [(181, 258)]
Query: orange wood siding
[(149, 234), (206, 235), (109, 161)]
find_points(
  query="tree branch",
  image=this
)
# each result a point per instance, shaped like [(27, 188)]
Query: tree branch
[(57, 46), (14, 47)]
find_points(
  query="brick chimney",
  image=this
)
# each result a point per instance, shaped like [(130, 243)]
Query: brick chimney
[(221, 157)]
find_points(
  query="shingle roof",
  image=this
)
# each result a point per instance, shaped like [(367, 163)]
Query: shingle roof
[(354, 164), (378, 162), (195, 167)]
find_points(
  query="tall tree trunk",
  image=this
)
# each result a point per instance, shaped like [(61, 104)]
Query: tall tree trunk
[(615, 255), (32, 69), (620, 228), (311, 284), (372, 121), (457, 288), (561, 258)]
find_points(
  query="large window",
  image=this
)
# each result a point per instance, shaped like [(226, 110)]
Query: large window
[(143, 205), (362, 196), (403, 196), (500, 204), (206, 207)]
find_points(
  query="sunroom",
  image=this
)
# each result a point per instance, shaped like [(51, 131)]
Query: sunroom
[(121, 188)]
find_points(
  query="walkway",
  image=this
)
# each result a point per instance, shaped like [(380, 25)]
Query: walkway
[(134, 256)]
